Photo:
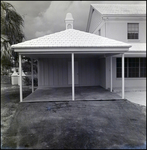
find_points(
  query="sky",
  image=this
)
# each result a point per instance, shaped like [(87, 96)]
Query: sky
[(47, 17)]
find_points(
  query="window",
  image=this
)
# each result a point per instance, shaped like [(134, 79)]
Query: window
[(143, 67), (133, 30), (119, 68), (134, 67)]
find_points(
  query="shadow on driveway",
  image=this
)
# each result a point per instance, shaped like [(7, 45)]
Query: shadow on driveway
[(77, 125)]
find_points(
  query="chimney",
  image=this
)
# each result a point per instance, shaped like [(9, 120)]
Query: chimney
[(69, 21)]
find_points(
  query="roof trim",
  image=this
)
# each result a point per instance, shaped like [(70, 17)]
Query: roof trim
[(70, 50), (63, 47), (89, 18)]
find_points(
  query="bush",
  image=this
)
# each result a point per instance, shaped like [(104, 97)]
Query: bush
[(4, 73), (28, 81)]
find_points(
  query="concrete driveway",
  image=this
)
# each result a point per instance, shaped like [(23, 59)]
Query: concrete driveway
[(65, 94), (78, 125)]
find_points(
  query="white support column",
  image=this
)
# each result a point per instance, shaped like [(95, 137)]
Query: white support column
[(32, 75), (20, 77), (110, 73), (123, 76), (38, 70), (72, 66)]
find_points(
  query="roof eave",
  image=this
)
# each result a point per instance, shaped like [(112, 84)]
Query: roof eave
[(124, 15), (47, 50), (54, 47)]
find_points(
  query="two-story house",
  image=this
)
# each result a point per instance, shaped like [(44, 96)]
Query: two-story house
[(73, 58), (126, 23)]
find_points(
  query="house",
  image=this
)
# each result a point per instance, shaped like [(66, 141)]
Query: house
[(73, 58), (126, 23)]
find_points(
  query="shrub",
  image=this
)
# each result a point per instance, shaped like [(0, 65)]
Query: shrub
[(28, 81)]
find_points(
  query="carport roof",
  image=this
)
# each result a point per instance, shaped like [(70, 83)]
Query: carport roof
[(71, 38)]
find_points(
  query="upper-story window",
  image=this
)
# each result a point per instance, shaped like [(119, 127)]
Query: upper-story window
[(133, 30)]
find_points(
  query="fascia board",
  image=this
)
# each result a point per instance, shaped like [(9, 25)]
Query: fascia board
[(89, 19), (136, 52), (127, 54), (122, 17), (90, 16), (69, 50)]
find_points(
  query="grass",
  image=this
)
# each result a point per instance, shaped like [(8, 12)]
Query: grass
[(9, 103)]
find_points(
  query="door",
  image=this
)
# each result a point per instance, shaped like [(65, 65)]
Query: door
[(75, 73)]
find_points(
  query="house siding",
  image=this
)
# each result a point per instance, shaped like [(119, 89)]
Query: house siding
[(54, 72), (102, 64), (119, 30)]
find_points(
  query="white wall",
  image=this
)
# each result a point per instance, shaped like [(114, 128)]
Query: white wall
[(118, 30)]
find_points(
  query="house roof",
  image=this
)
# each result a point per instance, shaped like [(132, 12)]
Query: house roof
[(138, 47), (70, 38), (120, 9)]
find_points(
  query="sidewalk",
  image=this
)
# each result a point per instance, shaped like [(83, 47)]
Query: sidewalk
[(135, 95)]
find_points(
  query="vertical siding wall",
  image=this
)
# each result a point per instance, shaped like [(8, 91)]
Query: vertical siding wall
[(53, 72), (88, 72), (102, 72)]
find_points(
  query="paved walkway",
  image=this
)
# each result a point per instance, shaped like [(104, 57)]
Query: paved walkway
[(135, 95)]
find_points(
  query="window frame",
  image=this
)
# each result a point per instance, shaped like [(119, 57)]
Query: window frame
[(132, 31), (128, 70)]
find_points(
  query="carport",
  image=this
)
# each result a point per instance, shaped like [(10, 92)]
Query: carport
[(65, 94), (72, 43)]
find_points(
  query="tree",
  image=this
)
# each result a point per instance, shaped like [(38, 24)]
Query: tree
[(11, 31)]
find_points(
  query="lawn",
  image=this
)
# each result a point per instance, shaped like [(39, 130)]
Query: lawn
[(9, 103)]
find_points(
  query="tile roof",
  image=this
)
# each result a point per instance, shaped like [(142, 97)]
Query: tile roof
[(125, 9), (70, 38)]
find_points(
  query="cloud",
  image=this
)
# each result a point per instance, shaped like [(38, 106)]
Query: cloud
[(46, 17)]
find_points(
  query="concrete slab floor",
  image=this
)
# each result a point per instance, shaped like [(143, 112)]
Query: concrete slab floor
[(65, 94)]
